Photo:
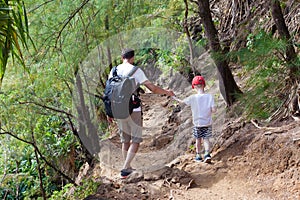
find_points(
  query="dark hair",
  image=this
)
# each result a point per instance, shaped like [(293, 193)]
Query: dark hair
[(127, 53)]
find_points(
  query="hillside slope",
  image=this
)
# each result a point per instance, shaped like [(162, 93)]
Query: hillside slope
[(249, 162)]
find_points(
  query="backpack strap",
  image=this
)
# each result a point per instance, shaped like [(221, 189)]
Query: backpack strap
[(138, 85), (114, 71), (132, 71)]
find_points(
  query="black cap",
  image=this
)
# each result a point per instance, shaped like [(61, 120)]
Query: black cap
[(127, 53)]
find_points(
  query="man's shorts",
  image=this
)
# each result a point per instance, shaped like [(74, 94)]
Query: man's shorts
[(202, 132), (131, 128)]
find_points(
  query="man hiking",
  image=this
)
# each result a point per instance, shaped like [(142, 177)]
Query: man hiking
[(131, 128)]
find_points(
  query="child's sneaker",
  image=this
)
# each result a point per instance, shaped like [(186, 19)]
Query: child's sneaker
[(198, 158), (207, 158), (125, 173)]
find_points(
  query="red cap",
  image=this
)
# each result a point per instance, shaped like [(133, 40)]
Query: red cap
[(198, 80)]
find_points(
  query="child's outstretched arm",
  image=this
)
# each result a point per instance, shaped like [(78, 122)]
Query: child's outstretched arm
[(176, 99), (213, 109)]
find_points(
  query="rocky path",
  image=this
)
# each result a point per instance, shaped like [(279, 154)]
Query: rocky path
[(248, 163)]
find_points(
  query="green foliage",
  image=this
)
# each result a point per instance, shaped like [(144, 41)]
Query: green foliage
[(88, 187), (192, 147), (18, 171), (64, 33), (265, 71), (54, 141), (62, 194), (13, 30), (33, 104), (174, 55)]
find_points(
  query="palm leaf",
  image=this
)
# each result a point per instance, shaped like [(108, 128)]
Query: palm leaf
[(13, 28)]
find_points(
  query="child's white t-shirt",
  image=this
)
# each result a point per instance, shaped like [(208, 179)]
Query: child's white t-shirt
[(201, 106)]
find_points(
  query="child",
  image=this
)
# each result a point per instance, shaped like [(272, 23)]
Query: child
[(202, 106)]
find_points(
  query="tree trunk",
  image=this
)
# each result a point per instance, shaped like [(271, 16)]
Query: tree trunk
[(228, 86), (285, 35), (108, 43), (38, 167), (87, 131), (185, 24), (40, 175), (291, 105)]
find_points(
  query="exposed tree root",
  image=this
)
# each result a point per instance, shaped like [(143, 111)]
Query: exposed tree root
[(289, 108)]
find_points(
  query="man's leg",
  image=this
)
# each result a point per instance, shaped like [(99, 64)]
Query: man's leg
[(125, 136), (133, 148), (129, 150), (125, 147), (136, 138)]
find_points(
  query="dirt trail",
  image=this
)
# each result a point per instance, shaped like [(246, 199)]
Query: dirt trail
[(157, 148), (248, 163)]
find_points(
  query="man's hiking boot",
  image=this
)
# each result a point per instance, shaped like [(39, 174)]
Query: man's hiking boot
[(198, 158), (207, 158), (125, 173)]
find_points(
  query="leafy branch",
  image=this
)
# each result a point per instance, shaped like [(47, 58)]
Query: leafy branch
[(39, 6), (14, 28), (68, 20), (47, 107), (3, 132)]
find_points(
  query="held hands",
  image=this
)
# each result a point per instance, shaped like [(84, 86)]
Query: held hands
[(109, 119), (176, 99), (170, 93)]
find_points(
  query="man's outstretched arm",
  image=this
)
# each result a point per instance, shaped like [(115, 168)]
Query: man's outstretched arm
[(157, 90)]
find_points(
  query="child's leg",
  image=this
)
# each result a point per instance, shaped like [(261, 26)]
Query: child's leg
[(198, 145), (207, 157), (207, 133), (206, 144)]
